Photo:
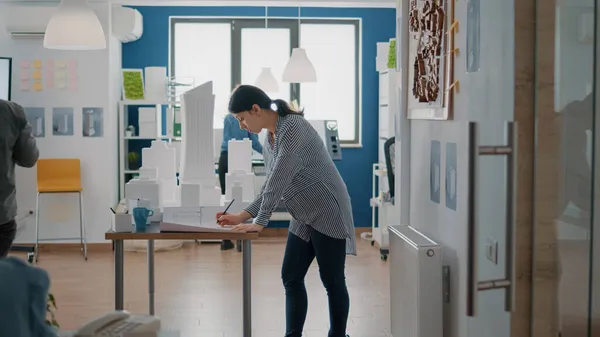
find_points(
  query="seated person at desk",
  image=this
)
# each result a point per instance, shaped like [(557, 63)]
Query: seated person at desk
[(232, 130), (23, 297)]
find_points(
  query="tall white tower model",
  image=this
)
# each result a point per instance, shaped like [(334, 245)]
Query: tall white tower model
[(198, 182)]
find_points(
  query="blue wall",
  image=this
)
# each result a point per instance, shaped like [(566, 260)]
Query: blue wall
[(378, 25)]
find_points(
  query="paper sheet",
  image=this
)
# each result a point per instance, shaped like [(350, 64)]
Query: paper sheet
[(37, 86), (37, 75), (61, 84), (73, 85), (204, 228)]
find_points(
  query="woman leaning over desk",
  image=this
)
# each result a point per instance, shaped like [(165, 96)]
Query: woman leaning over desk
[(304, 176)]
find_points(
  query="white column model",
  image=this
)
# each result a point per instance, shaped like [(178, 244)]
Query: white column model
[(239, 156), (198, 181)]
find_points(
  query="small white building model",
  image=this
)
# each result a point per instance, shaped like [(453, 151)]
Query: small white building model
[(239, 157)]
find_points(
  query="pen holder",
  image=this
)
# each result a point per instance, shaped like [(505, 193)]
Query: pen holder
[(122, 223)]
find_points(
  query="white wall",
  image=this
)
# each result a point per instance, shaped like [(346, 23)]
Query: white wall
[(486, 97), (97, 87)]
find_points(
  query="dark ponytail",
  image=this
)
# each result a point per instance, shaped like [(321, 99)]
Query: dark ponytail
[(283, 108), (245, 96)]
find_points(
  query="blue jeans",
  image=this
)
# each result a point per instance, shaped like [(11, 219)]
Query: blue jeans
[(331, 258)]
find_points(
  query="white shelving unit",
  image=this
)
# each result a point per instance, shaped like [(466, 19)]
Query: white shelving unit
[(124, 169), (382, 211)]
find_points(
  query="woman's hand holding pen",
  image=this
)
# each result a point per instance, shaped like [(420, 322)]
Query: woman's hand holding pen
[(229, 219), (235, 220)]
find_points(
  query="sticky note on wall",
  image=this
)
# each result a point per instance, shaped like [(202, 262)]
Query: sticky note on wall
[(37, 86), (37, 64), (37, 74)]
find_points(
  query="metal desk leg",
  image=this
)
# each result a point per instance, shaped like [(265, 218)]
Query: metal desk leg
[(118, 274), (151, 277), (247, 287)]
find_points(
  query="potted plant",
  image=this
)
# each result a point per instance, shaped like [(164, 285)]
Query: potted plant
[(130, 132), (134, 160)]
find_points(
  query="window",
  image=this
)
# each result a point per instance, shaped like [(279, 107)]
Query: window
[(255, 41), (203, 51), (240, 48), (332, 48)]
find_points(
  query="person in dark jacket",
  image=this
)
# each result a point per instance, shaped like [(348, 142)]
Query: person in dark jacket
[(17, 147)]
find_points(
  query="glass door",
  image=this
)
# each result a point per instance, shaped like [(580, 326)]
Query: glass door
[(565, 174)]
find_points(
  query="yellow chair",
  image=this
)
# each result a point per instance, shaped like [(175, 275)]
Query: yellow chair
[(59, 176)]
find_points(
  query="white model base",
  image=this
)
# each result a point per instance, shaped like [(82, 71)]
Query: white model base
[(247, 183)]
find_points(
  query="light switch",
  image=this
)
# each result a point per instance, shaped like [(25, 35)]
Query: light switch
[(491, 250)]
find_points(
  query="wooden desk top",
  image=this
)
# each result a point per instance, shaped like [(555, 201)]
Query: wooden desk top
[(153, 232)]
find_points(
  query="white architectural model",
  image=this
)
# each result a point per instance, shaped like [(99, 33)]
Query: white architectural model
[(198, 184), (197, 199), (239, 157), (163, 157), (145, 191)]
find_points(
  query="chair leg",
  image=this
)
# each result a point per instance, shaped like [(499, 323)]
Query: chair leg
[(82, 228), (36, 252)]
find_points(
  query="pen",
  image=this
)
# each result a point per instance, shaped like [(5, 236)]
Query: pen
[(112, 210), (225, 211)]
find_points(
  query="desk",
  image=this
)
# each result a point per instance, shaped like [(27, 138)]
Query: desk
[(152, 233)]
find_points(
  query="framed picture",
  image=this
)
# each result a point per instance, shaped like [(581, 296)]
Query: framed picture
[(431, 59), (133, 84)]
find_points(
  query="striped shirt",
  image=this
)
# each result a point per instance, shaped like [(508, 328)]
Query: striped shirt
[(301, 172)]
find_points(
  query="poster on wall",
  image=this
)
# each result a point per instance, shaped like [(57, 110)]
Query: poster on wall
[(62, 121), (430, 56), (93, 122), (450, 180), (435, 171), (37, 119)]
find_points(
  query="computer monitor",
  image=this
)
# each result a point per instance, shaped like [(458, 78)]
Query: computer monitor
[(5, 77)]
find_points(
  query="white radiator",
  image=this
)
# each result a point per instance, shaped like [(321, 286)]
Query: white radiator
[(416, 284)]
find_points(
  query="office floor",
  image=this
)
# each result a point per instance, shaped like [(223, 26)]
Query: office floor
[(198, 290)]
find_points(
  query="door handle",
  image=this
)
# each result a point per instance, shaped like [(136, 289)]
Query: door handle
[(473, 284)]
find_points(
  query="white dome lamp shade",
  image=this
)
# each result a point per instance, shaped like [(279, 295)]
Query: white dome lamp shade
[(299, 68), (74, 26), (266, 81)]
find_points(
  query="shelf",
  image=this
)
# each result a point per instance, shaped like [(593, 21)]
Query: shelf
[(146, 102), (151, 138), (376, 202)]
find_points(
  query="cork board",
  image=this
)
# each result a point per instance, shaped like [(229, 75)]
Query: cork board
[(430, 60)]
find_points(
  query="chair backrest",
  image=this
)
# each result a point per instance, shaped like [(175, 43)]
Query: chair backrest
[(389, 150), (53, 171)]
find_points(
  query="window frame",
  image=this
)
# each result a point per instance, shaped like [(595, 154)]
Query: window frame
[(294, 25)]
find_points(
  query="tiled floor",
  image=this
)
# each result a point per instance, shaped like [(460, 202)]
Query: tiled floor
[(198, 290)]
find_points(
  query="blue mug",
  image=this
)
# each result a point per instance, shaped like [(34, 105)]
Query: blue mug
[(140, 217)]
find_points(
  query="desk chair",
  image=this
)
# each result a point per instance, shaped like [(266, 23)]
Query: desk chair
[(389, 151), (59, 176)]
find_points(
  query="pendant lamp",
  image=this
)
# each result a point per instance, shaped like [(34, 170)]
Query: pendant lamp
[(299, 68), (74, 26), (266, 81)]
